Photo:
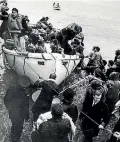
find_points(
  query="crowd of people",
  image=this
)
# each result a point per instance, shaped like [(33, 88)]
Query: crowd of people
[(19, 34), (55, 114)]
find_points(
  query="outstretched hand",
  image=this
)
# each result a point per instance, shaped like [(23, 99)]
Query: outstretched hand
[(100, 127), (117, 135)]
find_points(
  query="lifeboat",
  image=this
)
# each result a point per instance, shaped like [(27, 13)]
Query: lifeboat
[(40, 65)]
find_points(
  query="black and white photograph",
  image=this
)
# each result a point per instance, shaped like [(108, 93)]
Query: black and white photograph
[(60, 71)]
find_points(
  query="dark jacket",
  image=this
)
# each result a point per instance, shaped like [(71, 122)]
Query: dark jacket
[(17, 102), (113, 94), (98, 112), (53, 131), (109, 71), (71, 110), (4, 17), (43, 102), (63, 41)]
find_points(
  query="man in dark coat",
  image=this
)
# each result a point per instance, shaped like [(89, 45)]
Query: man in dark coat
[(68, 106), (97, 110), (17, 104), (43, 102), (55, 129)]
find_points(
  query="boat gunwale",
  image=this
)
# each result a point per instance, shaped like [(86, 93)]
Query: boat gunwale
[(6, 51)]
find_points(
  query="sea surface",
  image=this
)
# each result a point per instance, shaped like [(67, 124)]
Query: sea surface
[(100, 20)]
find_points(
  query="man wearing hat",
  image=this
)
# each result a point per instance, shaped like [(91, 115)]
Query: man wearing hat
[(17, 104), (43, 102), (95, 108)]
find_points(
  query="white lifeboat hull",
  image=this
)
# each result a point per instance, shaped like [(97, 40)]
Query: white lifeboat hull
[(35, 65)]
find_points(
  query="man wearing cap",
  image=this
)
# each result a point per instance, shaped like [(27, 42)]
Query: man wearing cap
[(17, 104), (43, 102), (96, 109)]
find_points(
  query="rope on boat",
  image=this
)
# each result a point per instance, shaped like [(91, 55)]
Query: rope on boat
[(24, 66), (37, 74), (67, 71), (55, 61)]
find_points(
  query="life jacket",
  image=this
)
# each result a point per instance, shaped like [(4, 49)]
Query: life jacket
[(15, 24)]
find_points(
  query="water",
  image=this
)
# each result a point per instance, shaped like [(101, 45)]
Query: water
[(99, 19)]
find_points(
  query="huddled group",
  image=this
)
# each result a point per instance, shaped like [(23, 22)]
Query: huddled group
[(19, 34)]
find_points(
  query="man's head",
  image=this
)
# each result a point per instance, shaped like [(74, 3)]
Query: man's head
[(97, 97), (14, 12), (110, 63), (114, 76), (96, 49), (24, 81), (26, 19), (78, 29), (117, 52), (52, 76), (96, 84), (3, 6), (10, 77), (56, 101), (98, 73), (47, 18), (57, 110), (68, 96)]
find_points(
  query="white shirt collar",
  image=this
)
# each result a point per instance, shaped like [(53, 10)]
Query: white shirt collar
[(51, 79)]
